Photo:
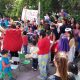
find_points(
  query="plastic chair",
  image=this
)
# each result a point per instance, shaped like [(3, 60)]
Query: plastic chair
[(23, 60), (15, 59)]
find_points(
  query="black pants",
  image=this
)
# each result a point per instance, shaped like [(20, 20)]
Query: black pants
[(52, 56), (25, 49), (76, 54), (35, 63), (14, 54)]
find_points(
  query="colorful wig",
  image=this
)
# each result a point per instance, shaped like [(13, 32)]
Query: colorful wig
[(63, 44)]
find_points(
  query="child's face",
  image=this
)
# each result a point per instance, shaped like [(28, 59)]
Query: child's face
[(5, 55)]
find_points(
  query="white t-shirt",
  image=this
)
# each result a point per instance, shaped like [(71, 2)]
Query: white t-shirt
[(46, 17), (33, 51)]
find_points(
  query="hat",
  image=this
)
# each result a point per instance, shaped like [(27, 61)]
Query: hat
[(68, 30)]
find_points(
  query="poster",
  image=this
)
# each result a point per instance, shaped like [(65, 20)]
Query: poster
[(29, 14)]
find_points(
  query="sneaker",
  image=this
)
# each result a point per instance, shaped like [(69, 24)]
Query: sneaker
[(32, 67), (35, 69)]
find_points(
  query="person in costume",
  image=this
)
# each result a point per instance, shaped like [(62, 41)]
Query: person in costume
[(12, 40)]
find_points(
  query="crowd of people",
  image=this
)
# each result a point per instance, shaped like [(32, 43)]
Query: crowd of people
[(52, 42)]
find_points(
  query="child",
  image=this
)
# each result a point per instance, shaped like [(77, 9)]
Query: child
[(33, 51), (25, 42), (6, 65)]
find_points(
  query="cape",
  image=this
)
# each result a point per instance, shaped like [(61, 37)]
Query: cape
[(12, 40)]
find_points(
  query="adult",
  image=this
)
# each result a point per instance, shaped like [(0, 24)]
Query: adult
[(64, 26), (47, 18), (63, 44), (12, 40), (43, 54), (71, 54), (60, 62)]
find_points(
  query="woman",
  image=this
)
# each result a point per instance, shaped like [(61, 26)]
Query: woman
[(71, 55), (63, 44), (76, 30), (61, 62)]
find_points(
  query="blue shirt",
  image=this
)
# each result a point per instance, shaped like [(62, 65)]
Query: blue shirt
[(6, 61)]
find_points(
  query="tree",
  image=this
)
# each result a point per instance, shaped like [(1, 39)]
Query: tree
[(14, 7), (6, 6)]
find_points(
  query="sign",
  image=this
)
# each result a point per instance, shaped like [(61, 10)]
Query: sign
[(29, 14)]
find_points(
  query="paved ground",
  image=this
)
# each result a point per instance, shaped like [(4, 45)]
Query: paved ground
[(29, 74)]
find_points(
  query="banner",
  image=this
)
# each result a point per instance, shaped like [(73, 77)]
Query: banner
[(29, 14)]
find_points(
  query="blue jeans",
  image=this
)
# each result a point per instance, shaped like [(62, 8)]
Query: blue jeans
[(43, 63), (25, 49)]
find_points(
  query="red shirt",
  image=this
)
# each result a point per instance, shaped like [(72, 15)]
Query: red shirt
[(44, 46), (54, 48), (12, 40), (25, 40)]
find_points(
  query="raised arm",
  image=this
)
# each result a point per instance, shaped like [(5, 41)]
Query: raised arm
[(2, 29)]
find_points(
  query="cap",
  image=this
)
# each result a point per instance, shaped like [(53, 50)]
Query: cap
[(68, 30)]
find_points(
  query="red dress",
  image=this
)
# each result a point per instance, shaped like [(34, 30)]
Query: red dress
[(12, 40)]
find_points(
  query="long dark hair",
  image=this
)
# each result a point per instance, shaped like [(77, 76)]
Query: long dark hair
[(61, 60)]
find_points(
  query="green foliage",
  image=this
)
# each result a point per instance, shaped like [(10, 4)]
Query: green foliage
[(14, 7), (6, 6)]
